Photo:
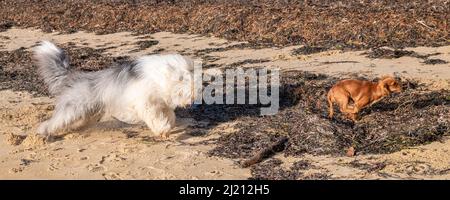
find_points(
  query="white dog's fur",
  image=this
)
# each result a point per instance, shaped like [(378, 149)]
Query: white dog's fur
[(145, 90)]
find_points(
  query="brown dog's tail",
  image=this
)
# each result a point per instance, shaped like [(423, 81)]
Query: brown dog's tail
[(330, 104)]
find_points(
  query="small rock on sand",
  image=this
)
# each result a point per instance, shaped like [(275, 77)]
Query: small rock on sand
[(350, 152)]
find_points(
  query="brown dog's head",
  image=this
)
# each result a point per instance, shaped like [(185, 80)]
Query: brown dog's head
[(389, 85)]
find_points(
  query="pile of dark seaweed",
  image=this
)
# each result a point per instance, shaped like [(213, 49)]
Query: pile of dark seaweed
[(415, 116), (320, 24)]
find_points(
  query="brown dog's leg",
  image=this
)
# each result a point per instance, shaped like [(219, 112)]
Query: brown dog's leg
[(360, 104), (342, 101), (330, 105), (353, 116)]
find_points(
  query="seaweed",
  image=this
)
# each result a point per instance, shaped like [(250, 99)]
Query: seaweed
[(315, 24)]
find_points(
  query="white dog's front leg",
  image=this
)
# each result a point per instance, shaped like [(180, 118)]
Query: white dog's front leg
[(159, 119)]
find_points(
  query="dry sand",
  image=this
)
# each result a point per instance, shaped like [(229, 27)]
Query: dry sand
[(111, 150)]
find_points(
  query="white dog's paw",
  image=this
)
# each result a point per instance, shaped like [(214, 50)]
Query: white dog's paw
[(42, 129), (161, 137), (164, 136)]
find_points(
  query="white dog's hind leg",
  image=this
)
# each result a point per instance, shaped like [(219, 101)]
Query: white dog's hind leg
[(65, 115), (160, 119), (87, 121)]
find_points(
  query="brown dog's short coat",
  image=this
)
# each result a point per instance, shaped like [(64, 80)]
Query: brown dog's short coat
[(362, 93)]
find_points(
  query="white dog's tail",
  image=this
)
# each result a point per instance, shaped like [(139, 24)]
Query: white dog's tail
[(53, 65)]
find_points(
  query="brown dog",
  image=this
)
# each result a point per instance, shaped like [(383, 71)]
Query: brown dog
[(362, 93)]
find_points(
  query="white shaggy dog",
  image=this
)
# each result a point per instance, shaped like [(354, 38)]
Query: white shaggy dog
[(145, 90)]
